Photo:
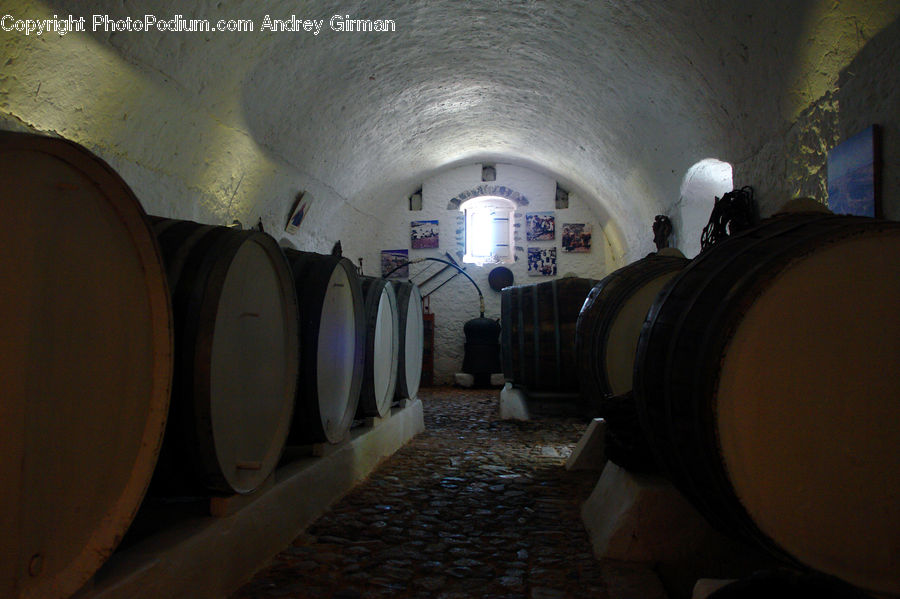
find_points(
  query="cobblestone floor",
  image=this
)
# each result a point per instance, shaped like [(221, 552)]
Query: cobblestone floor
[(472, 507)]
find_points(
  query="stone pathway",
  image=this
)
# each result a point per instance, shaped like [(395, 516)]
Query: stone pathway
[(472, 507)]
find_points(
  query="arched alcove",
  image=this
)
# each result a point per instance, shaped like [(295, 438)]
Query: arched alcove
[(702, 184)]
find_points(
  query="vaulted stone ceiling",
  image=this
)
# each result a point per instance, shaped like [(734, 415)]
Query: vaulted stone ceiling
[(614, 98)]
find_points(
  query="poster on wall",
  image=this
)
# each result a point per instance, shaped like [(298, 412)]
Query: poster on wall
[(298, 212), (541, 262), (424, 234), (852, 175), (391, 259), (540, 226), (576, 237)]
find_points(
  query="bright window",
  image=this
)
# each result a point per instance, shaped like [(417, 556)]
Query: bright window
[(489, 230)]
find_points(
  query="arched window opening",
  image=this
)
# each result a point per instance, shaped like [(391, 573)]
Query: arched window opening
[(489, 230), (702, 184)]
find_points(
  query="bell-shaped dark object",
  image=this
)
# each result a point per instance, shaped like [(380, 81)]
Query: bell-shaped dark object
[(482, 355)]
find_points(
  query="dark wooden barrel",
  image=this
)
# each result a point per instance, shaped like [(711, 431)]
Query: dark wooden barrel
[(766, 382), (606, 336), (382, 348), (333, 345), (86, 368), (537, 339), (412, 339), (236, 357), (610, 321)]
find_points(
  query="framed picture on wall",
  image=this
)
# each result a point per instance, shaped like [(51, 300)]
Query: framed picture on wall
[(390, 260), (540, 226), (576, 237), (853, 175), (424, 234), (298, 213), (541, 262)]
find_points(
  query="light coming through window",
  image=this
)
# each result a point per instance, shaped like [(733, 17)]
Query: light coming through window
[(489, 230)]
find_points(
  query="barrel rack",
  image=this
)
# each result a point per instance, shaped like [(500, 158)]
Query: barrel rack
[(210, 557)]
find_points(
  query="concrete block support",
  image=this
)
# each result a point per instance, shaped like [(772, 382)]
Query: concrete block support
[(209, 558), (641, 518), (513, 404), (589, 453)]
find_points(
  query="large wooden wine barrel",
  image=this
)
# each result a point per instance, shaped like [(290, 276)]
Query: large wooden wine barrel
[(412, 339), (606, 337), (766, 381), (610, 321), (333, 343), (537, 335), (86, 368), (382, 348), (236, 357)]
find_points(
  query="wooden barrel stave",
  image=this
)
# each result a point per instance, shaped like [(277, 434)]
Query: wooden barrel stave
[(687, 394), (538, 333), (506, 355), (87, 363), (332, 339)]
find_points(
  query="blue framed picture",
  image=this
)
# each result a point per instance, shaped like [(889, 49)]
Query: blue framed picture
[(853, 172)]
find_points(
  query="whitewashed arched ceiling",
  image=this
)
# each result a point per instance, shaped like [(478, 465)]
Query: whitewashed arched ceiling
[(614, 98)]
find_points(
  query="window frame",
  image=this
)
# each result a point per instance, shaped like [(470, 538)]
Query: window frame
[(500, 209)]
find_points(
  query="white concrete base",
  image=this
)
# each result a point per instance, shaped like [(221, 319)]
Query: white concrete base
[(464, 379), (209, 558), (589, 453), (513, 405), (642, 518)]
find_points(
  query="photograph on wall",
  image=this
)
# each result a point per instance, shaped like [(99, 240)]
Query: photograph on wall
[(424, 234), (540, 226), (541, 262), (391, 259), (576, 237), (298, 212), (852, 172)]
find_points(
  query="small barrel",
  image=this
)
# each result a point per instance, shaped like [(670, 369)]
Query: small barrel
[(236, 357), (333, 344), (766, 383), (86, 368), (382, 348), (412, 339), (538, 333)]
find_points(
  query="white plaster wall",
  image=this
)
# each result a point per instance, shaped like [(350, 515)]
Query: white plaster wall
[(866, 92), (617, 100), (183, 157), (457, 301)]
